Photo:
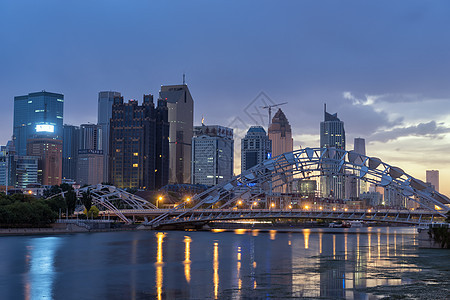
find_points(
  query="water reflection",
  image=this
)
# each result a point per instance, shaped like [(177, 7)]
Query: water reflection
[(41, 273), (159, 265), (187, 258), (326, 263), (306, 233), (216, 270)]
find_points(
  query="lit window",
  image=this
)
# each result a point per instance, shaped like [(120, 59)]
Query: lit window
[(135, 165), (135, 154)]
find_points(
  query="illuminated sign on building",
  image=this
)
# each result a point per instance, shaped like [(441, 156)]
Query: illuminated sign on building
[(45, 128)]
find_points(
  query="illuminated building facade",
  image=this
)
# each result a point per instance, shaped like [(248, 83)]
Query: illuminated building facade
[(37, 114), (139, 144)]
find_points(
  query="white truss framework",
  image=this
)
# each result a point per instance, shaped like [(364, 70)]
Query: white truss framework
[(306, 164), (114, 199)]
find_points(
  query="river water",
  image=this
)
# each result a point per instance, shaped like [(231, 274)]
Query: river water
[(329, 263)]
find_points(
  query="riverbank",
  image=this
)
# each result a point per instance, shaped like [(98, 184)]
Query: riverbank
[(59, 229)]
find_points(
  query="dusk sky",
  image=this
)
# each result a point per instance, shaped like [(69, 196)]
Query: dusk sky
[(383, 66)]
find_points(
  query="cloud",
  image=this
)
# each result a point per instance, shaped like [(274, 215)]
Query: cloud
[(430, 130)]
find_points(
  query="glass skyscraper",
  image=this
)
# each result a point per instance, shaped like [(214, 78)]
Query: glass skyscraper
[(37, 114), (332, 135)]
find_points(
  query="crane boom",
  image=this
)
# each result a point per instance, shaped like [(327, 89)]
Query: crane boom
[(269, 107)]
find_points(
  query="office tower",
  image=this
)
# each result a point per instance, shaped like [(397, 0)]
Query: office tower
[(162, 144), (71, 141), (332, 134), (90, 155), (212, 155), (133, 143), (105, 103), (433, 179), (181, 120), (24, 171), (281, 136), (37, 114), (255, 147), (49, 153)]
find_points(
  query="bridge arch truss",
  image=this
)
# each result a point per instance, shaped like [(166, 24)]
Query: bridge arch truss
[(303, 164)]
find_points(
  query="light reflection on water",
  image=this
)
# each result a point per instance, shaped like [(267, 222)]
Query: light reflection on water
[(328, 263), (41, 271)]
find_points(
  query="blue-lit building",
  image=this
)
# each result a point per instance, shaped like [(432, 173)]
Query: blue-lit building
[(255, 147), (37, 115)]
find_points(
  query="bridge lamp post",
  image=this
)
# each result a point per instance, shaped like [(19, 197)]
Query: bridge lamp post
[(160, 198), (239, 202), (321, 208), (290, 206), (272, 205), (306, 207)]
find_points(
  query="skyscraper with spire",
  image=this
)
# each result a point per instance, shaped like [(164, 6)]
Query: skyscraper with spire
[(332, 135)]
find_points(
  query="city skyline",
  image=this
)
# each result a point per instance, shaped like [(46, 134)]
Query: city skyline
[(386, 79)]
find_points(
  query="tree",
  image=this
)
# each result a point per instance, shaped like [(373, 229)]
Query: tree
[(71, 201), (86, 199), (93, 212)]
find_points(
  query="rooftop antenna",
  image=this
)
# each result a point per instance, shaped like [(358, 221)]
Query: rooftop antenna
[(269, 107), (184, 79)]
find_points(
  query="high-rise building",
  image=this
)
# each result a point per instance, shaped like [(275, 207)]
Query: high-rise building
[(37, 114), (280, 134), (332, 134), (133, 143), (49, 152), (90, 167), (255, 147), (105, 103), (181, 119), (71, 141), (212, 154), (90, 155), (433, 178), (359, 146), (24, 171)]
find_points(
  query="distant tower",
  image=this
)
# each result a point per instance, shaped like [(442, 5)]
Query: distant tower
[(181, 119), (433, 178), (71, 140), (105, 104), (280, 134), (332, 134), (360, 148), (255, 147)]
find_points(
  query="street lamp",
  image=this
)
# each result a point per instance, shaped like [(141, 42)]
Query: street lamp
[(160, 198), (272, 205)]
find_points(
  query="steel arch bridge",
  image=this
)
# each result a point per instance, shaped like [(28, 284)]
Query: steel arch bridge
[(114, 200), (301, 165)]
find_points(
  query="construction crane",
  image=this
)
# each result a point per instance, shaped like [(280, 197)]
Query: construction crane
[(269, 107)]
